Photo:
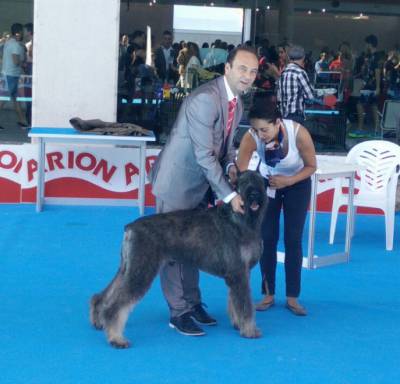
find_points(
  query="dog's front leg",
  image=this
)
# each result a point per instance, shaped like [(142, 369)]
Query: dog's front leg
[(240, 306)]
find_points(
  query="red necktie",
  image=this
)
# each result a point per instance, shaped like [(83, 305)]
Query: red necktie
[(231, 115)]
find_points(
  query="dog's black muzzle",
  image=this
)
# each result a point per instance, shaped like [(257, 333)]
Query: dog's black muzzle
[(254, 199)]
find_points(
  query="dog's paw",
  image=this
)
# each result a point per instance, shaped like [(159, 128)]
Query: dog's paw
[(251, 333), (97, 325), (120, 343), (94, 313)]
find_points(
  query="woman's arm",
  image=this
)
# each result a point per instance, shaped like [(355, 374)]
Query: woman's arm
[(246, 149)]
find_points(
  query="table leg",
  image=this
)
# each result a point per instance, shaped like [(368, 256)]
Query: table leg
[(40, 175), (142, 178), (350, 217), (311, 224)]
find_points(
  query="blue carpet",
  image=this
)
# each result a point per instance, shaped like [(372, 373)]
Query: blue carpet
[(52, 262)]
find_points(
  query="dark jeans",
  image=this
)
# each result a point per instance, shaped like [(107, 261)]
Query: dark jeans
[(297, 117), (294, 200)]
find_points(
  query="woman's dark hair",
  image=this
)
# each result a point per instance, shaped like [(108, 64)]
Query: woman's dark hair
[(194, 48), (268, 112)]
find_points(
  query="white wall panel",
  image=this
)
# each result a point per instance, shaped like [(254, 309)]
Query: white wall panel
[(75, 60)]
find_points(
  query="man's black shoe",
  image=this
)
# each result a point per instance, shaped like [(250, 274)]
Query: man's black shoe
[(185, 325), (201, 316)]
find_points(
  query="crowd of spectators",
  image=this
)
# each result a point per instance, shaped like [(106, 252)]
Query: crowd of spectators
[(365, 79)]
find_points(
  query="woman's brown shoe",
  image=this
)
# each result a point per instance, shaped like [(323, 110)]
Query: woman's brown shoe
[(297, 310), (264, 305)]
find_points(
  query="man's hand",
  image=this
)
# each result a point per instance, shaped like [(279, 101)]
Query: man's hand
[(237, 204), (232, 174)]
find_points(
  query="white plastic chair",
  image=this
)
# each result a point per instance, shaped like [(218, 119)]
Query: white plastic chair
[(379, 171)]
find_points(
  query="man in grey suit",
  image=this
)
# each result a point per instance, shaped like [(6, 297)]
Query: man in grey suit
[(198, 155)]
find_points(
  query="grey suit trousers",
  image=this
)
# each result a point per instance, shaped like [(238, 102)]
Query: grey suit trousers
[(179, 282)]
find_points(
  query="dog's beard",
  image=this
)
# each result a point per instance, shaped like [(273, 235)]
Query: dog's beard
[(254, 206)]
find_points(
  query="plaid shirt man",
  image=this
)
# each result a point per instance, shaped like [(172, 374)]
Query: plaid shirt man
[(293, 87)]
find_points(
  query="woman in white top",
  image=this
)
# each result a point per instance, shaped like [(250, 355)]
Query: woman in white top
[(286, 158), (193, 63)]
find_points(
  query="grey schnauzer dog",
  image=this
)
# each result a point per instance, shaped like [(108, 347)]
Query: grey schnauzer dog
[(216, 240)]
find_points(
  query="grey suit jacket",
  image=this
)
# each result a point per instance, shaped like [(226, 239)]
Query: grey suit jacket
[(194, 157)]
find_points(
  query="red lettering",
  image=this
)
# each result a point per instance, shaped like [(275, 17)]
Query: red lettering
[(130, 171), (80, 161), (70, 159), (106, 174), (54, 158), (8, 159), (149, 162), (18, 167), (32, 166)]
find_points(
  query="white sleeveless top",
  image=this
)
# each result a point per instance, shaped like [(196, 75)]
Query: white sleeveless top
[(291, 164)]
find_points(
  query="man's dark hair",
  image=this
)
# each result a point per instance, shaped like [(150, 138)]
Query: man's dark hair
[(372, 40), (29, 27), (232, 54), (16, 28), (167, 33), (268, 112)]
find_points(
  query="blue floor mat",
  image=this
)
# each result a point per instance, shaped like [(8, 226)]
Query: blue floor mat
[(51, 263)]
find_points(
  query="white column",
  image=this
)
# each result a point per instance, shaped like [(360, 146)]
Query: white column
[(75, 61)]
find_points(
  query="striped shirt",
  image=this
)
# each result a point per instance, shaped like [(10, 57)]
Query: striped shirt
[(293, 87)]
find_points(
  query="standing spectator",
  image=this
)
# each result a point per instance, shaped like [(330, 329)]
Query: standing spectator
[(28, 68), (192, 63), (391, 75), (12, 68), (347, 64), (321, 65), (283, 58), (216, 57), (29, 48), (294, 86), (371, 72), (336, 63), (123, 47), (287, 160), (196, 156), (165, 59)]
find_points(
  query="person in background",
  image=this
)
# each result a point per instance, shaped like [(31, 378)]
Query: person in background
[(347, 65), (12, 67), (28, 67), (123, 46), (336, 63), (199, 155), (182, 60), (371, 72), (321, 65), (286, 158), (391, 75), (294, 86), (165, 59)]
